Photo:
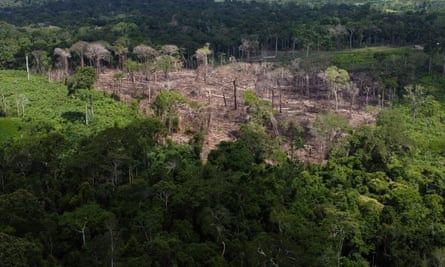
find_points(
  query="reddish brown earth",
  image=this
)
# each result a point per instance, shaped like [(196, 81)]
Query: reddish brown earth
[(213, 113)]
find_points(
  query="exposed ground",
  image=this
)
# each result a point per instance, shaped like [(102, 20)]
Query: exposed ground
[(303, 96)]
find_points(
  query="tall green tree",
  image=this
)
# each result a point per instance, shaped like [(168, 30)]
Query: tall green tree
[(337, 80)]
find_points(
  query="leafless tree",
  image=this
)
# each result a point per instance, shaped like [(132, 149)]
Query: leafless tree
[(97, 52), (145, 53), (171, 50), (170, 53), (120, 49), (79, 49), (64, 54), (249, 45), (41, 60), (338, 32), (353, 92), (279, 78), (202, 57)]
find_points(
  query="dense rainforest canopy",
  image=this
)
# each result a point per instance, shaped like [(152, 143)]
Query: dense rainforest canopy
[(232, 28), (86, 180)]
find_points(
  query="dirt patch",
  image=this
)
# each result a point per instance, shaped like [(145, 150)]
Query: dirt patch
[(218, 107)]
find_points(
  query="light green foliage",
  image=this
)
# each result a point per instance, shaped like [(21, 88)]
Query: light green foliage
[(132, 66), (165, 107), (203, 53), (118, 76), (336, 77), (355, 61), (166, 100), (260, 109), (328, 128), (337, 80), (401, 173), (167, 63), (415, 94), (378, 148), (83, 79), (49, 103)]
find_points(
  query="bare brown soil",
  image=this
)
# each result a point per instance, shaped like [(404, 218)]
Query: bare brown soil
[(294, 94)]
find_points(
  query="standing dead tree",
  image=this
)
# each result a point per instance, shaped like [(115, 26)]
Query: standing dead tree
[(249, 46), (97, 52), (146, 55), (202, 57), (64, 54), (79, 49)]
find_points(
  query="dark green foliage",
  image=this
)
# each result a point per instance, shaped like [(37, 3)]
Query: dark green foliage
[(18, 252), (128, 196), (308, 27), (196, 142), (24, 212), (118, 192), (165, 107), (165, 103), (232, 156), (83, 79)]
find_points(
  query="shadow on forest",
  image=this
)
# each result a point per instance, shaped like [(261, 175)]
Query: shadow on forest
[(73, 116)]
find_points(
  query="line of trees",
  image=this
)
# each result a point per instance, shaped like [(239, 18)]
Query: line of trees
[(231, 28)]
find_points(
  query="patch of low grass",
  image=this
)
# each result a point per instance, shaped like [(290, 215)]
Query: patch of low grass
[(37, 100), (359, 59)]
